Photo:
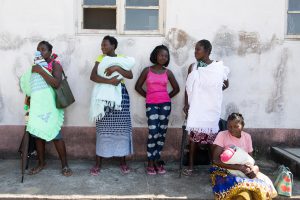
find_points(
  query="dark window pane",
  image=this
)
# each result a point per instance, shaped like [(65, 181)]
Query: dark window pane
[(142, 2), (141, 19), (293, 24), (99, 2), (99, 18), (294, 5)]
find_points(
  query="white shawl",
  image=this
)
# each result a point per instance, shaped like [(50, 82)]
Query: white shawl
[(106, 94), (204, 90)]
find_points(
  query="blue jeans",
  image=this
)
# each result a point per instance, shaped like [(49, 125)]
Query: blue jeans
[(158, 119)]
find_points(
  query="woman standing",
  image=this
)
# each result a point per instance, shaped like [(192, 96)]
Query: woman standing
[(113, 128), (158, 104), (45, 120), (203, 98)]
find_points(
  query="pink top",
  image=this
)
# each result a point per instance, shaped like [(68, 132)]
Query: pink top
[(50, 64), (157, 88), (225, 139)]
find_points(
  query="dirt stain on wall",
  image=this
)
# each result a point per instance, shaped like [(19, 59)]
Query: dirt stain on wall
[(227, 42), (10, 42), (250, 42), (224, 42), (230, 108), (276, 100), (180, 44)]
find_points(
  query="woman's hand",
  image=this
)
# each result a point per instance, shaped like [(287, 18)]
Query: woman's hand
[(245, 169), (249, 170), (36, 69), (111, 70), (115, 81)]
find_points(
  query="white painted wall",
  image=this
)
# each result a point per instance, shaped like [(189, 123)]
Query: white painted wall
[(247, 35)]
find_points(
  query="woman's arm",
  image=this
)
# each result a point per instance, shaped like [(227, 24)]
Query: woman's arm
[(99, 79), (53, 81), (186, 102), (120, 70), (173, 83), (139, 83)]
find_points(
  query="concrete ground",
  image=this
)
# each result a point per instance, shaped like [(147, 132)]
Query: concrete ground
[(111, 184)]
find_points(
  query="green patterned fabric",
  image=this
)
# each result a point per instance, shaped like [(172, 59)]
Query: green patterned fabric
[(284, 181), (201, 64), (45, 120)]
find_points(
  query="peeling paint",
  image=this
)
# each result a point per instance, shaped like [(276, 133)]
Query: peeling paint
[(17, 72), (66, 55), (227, 42), (230, 108), (224, 42), (250, 43), (130, 42), (180, 44), (276, 100), (10, 42)]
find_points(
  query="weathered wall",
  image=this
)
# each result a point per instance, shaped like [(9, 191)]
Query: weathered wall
[(247, 35)]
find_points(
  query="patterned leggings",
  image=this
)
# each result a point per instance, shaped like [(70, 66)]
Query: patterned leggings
[(158, 119)]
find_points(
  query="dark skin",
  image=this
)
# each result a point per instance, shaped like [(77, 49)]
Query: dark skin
[(109, 50), (235, 129), (54, 81), (162, 58), (201, 54)]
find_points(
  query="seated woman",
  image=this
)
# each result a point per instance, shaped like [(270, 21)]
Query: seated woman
[(227, 185)]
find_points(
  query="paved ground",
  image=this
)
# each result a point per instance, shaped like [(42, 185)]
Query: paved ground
[(110, 184)]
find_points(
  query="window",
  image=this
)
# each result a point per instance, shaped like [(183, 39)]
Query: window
[(293, 18), (121, 16)]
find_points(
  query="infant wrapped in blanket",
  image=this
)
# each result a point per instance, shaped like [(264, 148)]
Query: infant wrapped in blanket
[(235, 155)]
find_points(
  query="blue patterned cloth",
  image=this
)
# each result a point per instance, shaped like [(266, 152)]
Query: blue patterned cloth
[(227, 186), (114, 130), (158, 119)]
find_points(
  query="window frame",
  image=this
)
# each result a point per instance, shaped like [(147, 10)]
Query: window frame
[(120, 19), (290, 36)]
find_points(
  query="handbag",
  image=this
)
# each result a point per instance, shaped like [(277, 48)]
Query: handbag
[(284, 181), (64, 95)]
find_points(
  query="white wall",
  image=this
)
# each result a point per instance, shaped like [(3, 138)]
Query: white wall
[(247, 35)]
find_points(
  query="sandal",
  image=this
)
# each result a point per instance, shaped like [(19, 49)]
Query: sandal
[(150, 171), (124, 169), (95, 171), (36, 170), (160, 169), (66, 171), (187, 172)]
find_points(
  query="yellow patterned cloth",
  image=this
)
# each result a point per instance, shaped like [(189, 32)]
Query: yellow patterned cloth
[(227, 186)]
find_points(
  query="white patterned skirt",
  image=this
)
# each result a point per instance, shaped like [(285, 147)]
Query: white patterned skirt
[(114, 130)]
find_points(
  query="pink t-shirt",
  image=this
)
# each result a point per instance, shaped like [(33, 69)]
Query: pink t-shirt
[(225, 139)]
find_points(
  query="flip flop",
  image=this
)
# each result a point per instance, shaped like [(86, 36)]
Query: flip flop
[(66, 171), (187, 172), (95, 171), (124, 169), (151, 171), (36, 170)]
